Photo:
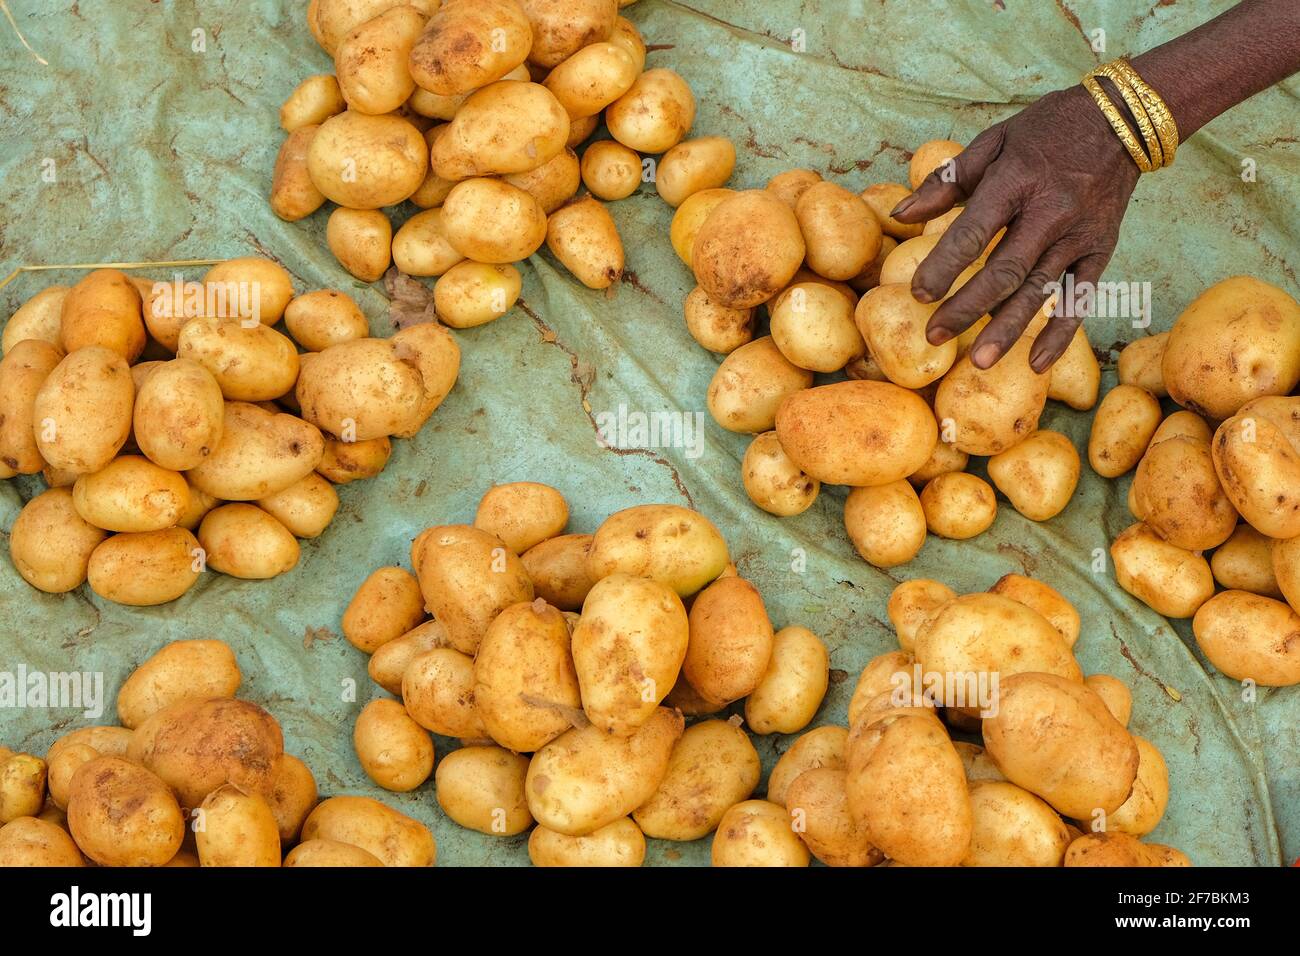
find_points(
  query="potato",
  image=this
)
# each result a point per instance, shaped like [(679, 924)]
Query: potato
[(179, 415), (843, 235), (387, 605), (1114, 693), (120, 814), (1047, 601), (419, 247), (881, 199), (22, 786), (689, 217), (610, 170), (326, 317), (1177, 491), (1141, 363), (981, 634), (468, 577), (1081, 761), (393, 838), (1170, 580), (371, 61), (236, 829), (249, 364), (525, 688), (885, 523), (365, 162), (60, 769), (131, 493), (103, 310), (958, 505), (893, 325), (979, 766), (1038, 474), (944, 459), (438, 691), (907, 789), (471, 294), (1245, 563), (931, 157), (1076, 376), (717, 328), (505, 127), (788, 186), (180, 670), (260, 453), (1282, 411), (394, 751), (244, 541), (580, 131), (620, 843), (582, 235), (791, 691), (50, 544), (628, 648), (667, 543), (389, 661), (293, 796), (1250, 637), (1142, 811), (332, 20), (558, 570), (1012, 827), (29, 841), (82, 411), (252, 288), (482, 788), (713, 767), (693, 166), (305, 508), (748, 249), (813, 327), (1121, 849), (293, 195), (911, 605), (1121, 430), (817, 802), (312, 102), (109, 741), (553, 183), (343, 462), (751, 384), (1259, 469), (585, 779), (329, 853), (757, 833), (488, 220), (23, 371), (563, 27), (593, 78), (857, 433), (773, 481), (361, 240), (991, 410), (731, 640), (901, 264), (467, 46), (821, 747), (145, 568), (1238, 340), (40, 317)]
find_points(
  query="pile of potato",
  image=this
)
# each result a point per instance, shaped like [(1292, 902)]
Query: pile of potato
[(564, 664), (191, 776), (903, 421), (1221, 475), (472, 110), (176, 434)]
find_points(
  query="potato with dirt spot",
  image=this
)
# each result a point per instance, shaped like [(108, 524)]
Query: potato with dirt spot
[(716, 327), (244, 541), (372, 60), (393, 838), (818, 804), (666, 543), (1044, 599), (477, 212), (505, 127), (22, 786), (958, 505), (757, 833), (145, 568), (751, 385), (611, 171), (885, 523), (438, 692), (557, 567), (582, 235), (120, 814), (23, 371), (1250, 637), (842, 234), (1259, 468), (1012, 827), (389, 661), (522, 513), (82, 411), (620, 843), (1178, 494), (344, 462), (250, 364), (1121, 849), (482, 788), (991, 410), (773, 481), (30, 841), (893, 325), (316, 320), (387, 605), (1039, 474), (812, 324), (748, 249), (712, 768), (238, 830), (731, 640), (1170, 580), (466, 46), (394, 751), (180, 670), (131, 493), (366, 162), (260, 453), (560, 28), (1121, 430), (179, 414)]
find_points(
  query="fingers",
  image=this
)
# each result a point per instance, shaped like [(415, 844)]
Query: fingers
[(951, 183), (1010, 320), (1054, 339)]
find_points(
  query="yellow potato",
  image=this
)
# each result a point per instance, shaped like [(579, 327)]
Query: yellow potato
[(812, 324), (82, 411), (179, 414), (252, 287), (145, 568), (260, 453), (1282, 411), (667, 543), (50, 544), (748, 249), (23, 371), (361, 240), (468, 577), (326, 317), (988, 411), (716, 327), (1259, 468), (582, 235), (934, 156), (821, 747), (329, 853), (40, 317), (235, 828), (365, 162), (857, 432), (389, 661), (958, 505), (1081, 761), (250, 364), (22, 786), (505, 127), (553, 183), (563, 27), (181, 670), (773, 481), (393, 838), (470, 294), (791, 691), (468, 45), (438, 692), (331, 20), (482, 788), (60, 768), (1141, 363), (943, 460), (293, 795), (419, 247), (103, 310), (371, 61), (558, 570), (1122, 429), (843, 235), (488, 220), (108, 741), (901, 264), (979, 766), (585, 779), (1044, 599), (817, 802), (881, 200), (1114, 693), (1012, 827), (1121, 849), (131, 493), (30, 841), (1142, 811), (757, 833), (713, 767), (1178, 494), (525, 687), (885, 523), (394, 751), (911, 606), (731, 640), (305, 508), (1076, 376), (344, 462), (1250, 637), (693, 166), (689, 217), (611, 171), (120, 814), (655, 113), (580, 131), (791, 184), (293, 195), (620, 843), (244, 541), (522, 514), (1238, 340), (312, 102), (1170, 580), (387, 605), (751, 384), (907, 789), (1038, 475), (593, 78), (893, 325), (1245, 563)]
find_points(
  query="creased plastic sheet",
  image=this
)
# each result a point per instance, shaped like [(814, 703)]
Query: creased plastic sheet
[(161, 140)]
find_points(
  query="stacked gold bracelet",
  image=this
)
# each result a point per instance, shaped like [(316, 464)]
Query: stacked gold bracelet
[(1159, 133)]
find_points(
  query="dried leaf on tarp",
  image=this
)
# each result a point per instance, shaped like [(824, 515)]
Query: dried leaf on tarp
[(410, 300)]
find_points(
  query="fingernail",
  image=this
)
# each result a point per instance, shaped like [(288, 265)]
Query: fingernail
[(1040, 362), (921, 295), (938, 335), (903, 206), (985, 355)]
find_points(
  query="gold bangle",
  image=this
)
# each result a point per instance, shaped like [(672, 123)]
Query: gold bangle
[(1118, 124), (1156, 108), (1137, 109)]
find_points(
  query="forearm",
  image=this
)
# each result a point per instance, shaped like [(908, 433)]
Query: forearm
[(1221, 63)]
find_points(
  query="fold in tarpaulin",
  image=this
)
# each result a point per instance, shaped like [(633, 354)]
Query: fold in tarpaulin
[(151, 133)]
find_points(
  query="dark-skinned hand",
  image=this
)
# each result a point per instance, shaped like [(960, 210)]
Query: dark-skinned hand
[(1059, 179)]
